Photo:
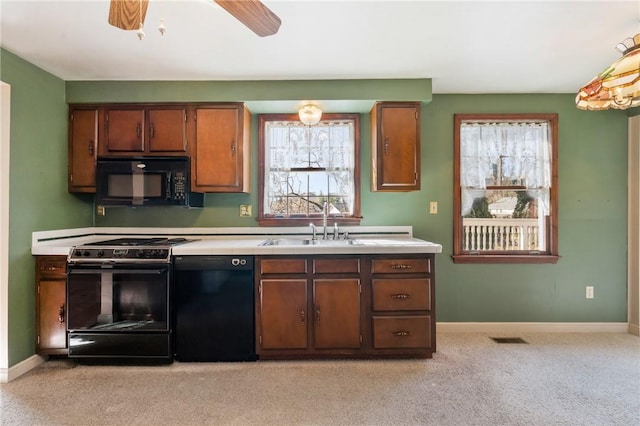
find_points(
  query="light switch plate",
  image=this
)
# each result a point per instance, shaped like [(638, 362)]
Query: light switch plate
[(433, 207)]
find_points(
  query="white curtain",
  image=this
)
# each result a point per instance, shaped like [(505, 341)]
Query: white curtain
[(517, 152)]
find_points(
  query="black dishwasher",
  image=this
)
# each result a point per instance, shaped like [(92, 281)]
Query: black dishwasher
[(214, 308)]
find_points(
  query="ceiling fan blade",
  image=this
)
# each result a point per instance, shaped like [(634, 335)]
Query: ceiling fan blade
[(127, 14), (255, 15)]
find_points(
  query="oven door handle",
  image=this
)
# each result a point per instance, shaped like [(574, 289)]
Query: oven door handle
[(118, 271)]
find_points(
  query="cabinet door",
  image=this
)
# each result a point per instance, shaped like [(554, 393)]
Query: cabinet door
[(220, 157), (283, 313), (83, 146), (336, 304), (396, 146), (51, 315), (125, 131), (167, 130)]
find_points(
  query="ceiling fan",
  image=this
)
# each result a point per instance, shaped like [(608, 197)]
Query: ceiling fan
[(129, 14)]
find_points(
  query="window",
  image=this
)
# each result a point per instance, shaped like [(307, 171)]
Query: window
[(304, 167), (506, 188)]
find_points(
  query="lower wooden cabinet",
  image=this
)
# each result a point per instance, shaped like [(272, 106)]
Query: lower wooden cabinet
[(345, 306), (51, 311)]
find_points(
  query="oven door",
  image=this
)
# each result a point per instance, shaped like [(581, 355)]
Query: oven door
[(118, 311)]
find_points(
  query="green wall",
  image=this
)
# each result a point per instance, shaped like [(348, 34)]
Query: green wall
[(38, 186), (592, 204)]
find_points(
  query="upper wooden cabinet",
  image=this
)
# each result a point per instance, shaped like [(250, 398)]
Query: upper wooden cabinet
[(214, 135), (145, 130), (83, 148), (395, 146), (220, 148)]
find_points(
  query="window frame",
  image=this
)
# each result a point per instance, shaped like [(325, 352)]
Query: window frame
[(550, 255), (315, 219)]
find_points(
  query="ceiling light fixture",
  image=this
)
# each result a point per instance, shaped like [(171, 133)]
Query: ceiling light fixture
[(618, 86), (310, 114)]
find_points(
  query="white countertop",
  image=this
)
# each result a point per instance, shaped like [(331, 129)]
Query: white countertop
[(244, 241)]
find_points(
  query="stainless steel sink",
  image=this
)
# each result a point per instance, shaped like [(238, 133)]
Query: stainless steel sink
[(307, 242)]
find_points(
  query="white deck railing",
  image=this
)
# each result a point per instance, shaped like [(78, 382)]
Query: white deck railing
[(500, 234)]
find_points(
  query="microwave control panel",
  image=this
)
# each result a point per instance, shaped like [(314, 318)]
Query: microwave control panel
[(179, 186)]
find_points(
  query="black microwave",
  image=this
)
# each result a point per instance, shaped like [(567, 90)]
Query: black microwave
[(145, 181)]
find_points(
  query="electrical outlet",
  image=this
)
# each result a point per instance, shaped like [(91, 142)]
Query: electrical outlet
[(433, 207), (245, 210), (100, 211), (589, 292)]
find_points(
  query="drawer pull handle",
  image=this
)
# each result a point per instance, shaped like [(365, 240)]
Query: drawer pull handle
[(302, 316), (318, 314), (400, 296), (401, 266), (401, 333), (61, 315)]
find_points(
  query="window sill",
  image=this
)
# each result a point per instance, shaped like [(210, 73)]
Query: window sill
[(305, 221), (505, 258)]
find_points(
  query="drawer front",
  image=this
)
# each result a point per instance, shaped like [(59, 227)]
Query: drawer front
[(400, 266), (402, 332), (406, 294), (336, 266), (52, 266), (283, 266)]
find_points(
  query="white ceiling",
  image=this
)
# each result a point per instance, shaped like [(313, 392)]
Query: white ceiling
[(464, 46)]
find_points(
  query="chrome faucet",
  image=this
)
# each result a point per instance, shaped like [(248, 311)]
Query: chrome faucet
[(313, 231), (336, 231), (325, 213)]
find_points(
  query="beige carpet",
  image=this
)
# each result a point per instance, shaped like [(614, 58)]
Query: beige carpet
[(555, 379)]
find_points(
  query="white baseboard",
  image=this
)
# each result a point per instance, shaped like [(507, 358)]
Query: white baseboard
[(634, 329), (8, 374), (534, 327)]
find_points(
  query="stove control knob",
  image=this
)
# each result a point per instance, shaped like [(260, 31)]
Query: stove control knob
[(140, 253), (86, 253), (100, 253)]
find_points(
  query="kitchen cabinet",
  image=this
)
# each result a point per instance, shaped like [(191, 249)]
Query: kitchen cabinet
[(365, 306), (395, 146), (83, 149), (402, 308), (220, 148), (51, 312), (308, 307), (145, 130)]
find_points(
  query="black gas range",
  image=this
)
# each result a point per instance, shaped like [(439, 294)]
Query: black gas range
[(119, 300)]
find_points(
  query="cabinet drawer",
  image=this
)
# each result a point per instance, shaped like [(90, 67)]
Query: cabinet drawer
[(402, 332), (407, 294), (283, 266), (400, 266), (336, 266), (52, 266)]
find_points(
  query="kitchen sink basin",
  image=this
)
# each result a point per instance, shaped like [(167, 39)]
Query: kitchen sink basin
[(308, 242)]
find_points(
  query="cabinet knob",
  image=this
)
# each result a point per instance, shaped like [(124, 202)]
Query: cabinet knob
[(401, 333), (152, 131), (90, 148), (233, 147), (318, 314), (302, 315), (138, 130), (61, 315), (386, 145)]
